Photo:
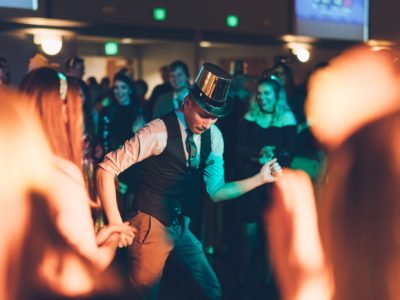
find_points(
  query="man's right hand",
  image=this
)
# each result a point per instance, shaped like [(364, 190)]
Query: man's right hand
[(270, 171)]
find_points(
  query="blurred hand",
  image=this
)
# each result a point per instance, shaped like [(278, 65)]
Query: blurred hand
[(125, 240), (294, 240), (270, 171), (123, 229)]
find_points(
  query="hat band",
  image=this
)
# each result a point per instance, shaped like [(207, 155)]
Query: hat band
[(200, 96)]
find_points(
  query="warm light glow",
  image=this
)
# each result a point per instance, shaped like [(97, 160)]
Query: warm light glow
[(303, 55), (381, 43), (205, 44), (127, 41), (288, 38), (301, 51), (52, 45)]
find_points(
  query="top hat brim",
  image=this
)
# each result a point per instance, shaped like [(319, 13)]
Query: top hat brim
[(206, 104)]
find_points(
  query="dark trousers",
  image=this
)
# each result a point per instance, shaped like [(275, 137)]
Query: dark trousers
[(154, 242)]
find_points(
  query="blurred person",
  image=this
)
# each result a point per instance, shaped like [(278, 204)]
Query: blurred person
[(268, 110), (354, 253), (91, 80), (177, 151), (179, 78), (58, 104), (90, 143), (105, 87), (309, 155), (124, 115), (95, 94), (127, 71), (160, 89), (267, 131), (75, 67), (241, 93), (141, 88), (35, 261), (105, 97), (94, 90), (284, 72), (5, 76)]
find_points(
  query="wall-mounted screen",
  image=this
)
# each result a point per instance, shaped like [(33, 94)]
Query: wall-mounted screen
[(24, 4), (332, 19)]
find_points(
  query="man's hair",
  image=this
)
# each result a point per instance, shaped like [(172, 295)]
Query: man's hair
[(179, 64)]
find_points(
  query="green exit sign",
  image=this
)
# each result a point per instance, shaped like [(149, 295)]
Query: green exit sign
[(159, 14), (111, 48), (232, 21)]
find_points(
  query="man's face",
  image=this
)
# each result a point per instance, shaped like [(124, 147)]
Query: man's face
[(197, 119), (178, 79)]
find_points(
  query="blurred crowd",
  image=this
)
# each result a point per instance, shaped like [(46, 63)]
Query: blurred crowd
[(326, 229)]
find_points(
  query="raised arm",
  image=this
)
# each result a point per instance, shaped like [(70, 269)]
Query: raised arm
[(149, 140), (214, 177), (268, 173)]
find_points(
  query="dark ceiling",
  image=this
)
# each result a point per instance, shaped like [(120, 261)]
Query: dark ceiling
[(259, 20)]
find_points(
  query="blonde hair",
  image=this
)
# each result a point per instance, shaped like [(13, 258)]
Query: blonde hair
[(254, 114)]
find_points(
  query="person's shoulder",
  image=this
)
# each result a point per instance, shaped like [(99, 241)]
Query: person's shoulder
[(67, 168), (166, 95), (287, 118), (215, 133)]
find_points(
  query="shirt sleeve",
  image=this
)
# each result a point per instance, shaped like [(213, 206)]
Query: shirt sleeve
[(148, 141), (214, 175)]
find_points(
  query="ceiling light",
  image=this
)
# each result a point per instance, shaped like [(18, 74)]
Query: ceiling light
[(51, 45), (205, 44), (301, 50)]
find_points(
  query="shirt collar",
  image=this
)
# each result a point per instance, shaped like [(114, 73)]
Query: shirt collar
[(181, 118)]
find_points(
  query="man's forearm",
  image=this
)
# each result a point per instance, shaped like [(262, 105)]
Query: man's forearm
[(108, 197), (236, 188)]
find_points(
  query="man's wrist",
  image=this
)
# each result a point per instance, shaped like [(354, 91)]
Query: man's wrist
[(260, 180)]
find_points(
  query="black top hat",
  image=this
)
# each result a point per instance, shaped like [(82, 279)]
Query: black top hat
[(210, 90)]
